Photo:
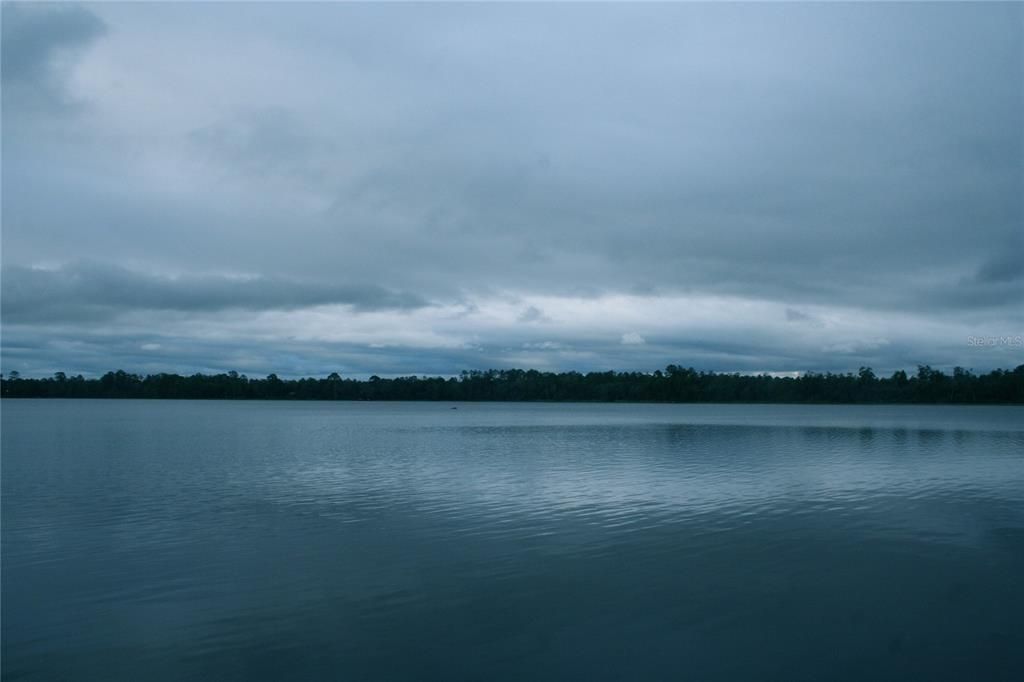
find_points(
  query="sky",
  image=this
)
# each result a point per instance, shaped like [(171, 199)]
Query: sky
[(429, 188)]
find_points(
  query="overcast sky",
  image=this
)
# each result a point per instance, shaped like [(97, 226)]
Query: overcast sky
[(394, 189)]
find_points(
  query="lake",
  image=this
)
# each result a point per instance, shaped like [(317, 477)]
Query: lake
[(171, 540)]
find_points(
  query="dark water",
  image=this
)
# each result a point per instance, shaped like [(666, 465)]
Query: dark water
[(247, 541)]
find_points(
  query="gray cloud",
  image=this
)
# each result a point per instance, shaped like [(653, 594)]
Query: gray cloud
[(533, 314), (83, 291), (34, 37), (794, 315), (1007, 267), (837, 161)]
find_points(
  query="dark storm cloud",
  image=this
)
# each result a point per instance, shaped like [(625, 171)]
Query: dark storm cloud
[(34, 36), (84, 291), (1006, 267), (859, 167)]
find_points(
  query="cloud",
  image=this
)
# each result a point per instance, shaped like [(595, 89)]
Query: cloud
[(797, 316), (720, 334), (1006, 267), (83, 290), (35, 38), (533, 314), (793, 315), (632, 339), (545, 345), (464, 184)]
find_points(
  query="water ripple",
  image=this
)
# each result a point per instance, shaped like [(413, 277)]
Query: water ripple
[(265, 541)]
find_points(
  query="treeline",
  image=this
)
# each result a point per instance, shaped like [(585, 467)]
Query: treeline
[(674, 384)]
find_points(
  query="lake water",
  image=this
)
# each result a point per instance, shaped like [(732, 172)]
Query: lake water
[(164, 540)]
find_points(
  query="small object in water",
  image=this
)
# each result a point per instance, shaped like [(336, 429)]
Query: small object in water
[(454, 408)]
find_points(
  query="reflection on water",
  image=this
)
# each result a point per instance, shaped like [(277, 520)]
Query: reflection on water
[(170, 540)]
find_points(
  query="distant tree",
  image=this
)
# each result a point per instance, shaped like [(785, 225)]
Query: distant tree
[(674, 384)]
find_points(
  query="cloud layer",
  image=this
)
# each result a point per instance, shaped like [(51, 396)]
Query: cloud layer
[(83, 291), (428, 188)]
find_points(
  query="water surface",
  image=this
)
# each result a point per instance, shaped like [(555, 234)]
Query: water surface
[(168, 540)]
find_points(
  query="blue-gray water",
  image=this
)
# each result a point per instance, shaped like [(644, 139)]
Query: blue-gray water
[(171, 540)]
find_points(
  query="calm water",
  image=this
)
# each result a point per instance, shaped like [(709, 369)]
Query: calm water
[(247, 541)]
